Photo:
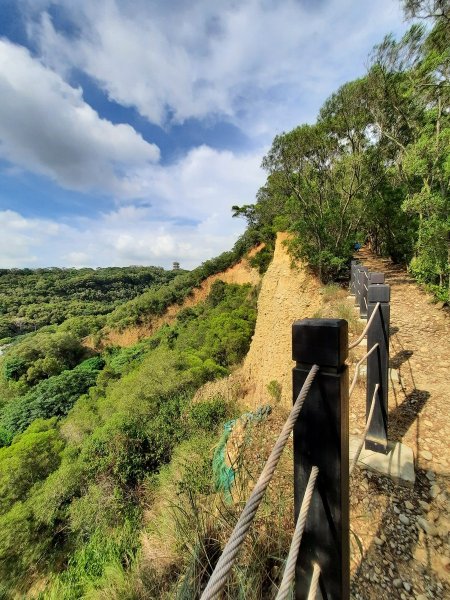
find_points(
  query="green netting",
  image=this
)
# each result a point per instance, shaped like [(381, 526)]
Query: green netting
[(224, 475)]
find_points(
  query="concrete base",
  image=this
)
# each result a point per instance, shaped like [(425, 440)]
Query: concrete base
[(398, 464)]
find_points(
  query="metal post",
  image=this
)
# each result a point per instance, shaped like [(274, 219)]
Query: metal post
[(321, 439), (363, 286), (377, 366)]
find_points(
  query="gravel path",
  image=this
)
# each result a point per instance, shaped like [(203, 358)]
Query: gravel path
[(400, 541)]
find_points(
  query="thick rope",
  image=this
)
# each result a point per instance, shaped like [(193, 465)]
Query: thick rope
[(225, 563), (314, 583), (366, 429), (366, 328), (289, 572), (358, 364)]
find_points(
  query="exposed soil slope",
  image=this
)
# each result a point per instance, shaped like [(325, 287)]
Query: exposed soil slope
[(239, 273), (287, 293)]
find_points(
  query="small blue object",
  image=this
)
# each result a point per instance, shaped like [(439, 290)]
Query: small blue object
[(357, 246)]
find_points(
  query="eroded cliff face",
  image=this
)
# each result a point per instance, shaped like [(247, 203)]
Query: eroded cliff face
[(287, 293), (240, 273)]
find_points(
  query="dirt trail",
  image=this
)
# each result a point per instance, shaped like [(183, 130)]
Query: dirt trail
[(404, 532)]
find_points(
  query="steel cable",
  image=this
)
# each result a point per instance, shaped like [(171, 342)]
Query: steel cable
[(366, 429), (358, 364), (314, 583), (225, 562), (289, 572), (366, 328)]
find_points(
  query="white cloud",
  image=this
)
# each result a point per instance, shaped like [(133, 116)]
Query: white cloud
[(257, 62), (22, 239), (46, 127), (189, 219)]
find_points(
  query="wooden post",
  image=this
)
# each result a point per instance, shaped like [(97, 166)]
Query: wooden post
[(321, 439), (378, 367)]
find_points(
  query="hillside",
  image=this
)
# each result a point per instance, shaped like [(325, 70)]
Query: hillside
[(287, 293), (33, 298), (124, 440), (240, 273)]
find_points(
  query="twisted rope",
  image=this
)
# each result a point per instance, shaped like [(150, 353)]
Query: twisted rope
[(314, 583), (225, 563), (289, 572), (358, 364), (366, 429), (366, 328)]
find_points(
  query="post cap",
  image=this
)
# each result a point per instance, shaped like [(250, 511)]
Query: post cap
[(322, 342), (376, 277), (378, 292)]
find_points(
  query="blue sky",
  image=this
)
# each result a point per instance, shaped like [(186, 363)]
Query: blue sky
[(128, 129)]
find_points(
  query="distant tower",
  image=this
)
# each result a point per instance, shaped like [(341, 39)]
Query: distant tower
[(176, 266)]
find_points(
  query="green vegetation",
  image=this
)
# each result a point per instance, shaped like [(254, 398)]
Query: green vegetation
[(374, 167), (32, 298), (81, 445), (154, 302)]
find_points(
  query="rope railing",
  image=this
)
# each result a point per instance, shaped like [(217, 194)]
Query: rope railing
[(358, 365), (314, 583), (366, 430), (289, 572), (226, 560), (366, 328)]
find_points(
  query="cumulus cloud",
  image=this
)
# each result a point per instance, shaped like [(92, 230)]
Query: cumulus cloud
[(188, 219), (239, 60), (47, 128), (23, 239)]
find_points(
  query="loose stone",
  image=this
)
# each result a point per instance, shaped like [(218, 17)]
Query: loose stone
[(397, 583), (426, 455), (435, 491), (429, 528), (378, 541), (409, 505), (404, 519)]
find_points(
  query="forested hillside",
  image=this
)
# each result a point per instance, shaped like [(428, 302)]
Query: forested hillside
[(32, 298), (375, 167)]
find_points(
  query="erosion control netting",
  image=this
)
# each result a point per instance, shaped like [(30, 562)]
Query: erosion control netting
[(225, 470)]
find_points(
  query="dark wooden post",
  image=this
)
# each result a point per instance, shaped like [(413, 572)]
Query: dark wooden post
[(377, 366), (321, 439), (375, 277), (363, 286)]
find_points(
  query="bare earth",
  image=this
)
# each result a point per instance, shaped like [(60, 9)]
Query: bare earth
[(400, 536), (405, 532)]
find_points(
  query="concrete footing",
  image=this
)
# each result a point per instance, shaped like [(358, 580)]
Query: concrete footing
[(398, 464)]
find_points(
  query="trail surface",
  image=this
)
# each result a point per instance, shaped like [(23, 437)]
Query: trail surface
[(404, 532)]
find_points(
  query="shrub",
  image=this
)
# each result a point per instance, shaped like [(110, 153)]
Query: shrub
[(274, 389), (207, 415), (49, 398)]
